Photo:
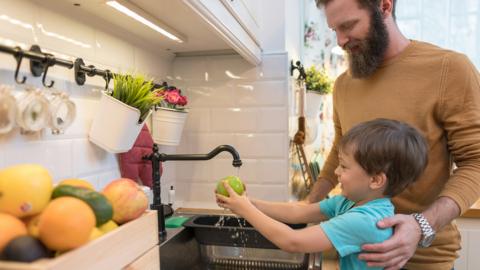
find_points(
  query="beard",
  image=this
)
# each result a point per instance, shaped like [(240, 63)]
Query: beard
[(365, 56)]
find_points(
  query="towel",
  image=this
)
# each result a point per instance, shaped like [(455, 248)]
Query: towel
[(131, 164)]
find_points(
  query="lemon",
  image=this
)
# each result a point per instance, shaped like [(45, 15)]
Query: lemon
[(25, 189), (32, 225), (96, 233), (77, 183), (109, 226)]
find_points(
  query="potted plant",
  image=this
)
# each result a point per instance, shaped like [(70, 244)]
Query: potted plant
[(318, 84), (169, 116), (122, 112)]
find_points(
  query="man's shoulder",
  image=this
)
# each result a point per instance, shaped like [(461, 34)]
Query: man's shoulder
[(430, 51)]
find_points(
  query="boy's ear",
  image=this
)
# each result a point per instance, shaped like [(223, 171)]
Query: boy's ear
[(378, 181)]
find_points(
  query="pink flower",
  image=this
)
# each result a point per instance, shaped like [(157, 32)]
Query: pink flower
[(182, 101), (173, 96)]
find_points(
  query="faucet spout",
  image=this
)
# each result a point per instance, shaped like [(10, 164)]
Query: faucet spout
[(155, 157), (237, 162)]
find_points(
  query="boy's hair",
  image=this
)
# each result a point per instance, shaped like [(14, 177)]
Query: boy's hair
[(389, 146), (369, 4)]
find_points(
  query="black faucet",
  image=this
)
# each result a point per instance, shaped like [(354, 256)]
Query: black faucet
[(155, 157)]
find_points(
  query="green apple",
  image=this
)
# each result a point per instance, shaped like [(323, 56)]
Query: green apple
[(234, 182)]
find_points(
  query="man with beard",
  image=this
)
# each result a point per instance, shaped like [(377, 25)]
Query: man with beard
[(433, 89)]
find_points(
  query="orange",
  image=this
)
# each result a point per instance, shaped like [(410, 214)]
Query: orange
[(10, 227), (77, 183), (66, 223), (24, 189)]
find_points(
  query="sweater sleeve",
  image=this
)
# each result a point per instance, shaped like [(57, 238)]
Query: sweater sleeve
[(460, 116), (331, 163)]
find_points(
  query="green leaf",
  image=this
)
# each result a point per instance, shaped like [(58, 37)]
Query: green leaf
[(135, 91), (318, 81)]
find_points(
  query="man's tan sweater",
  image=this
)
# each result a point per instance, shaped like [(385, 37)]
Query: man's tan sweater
[(438, 92)]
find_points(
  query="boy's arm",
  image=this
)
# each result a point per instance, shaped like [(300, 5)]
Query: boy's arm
[(291, 212), (310, 239)]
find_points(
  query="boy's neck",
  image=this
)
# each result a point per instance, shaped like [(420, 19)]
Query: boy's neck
[(370, 197)]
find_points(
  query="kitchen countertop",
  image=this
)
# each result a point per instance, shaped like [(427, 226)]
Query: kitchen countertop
[(473, 212)]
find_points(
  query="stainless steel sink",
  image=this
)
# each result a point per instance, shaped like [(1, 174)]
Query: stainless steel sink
[(203, 248)]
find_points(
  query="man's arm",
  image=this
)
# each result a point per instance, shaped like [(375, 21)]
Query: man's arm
[(396, 251), (319, 191), (442, 212)]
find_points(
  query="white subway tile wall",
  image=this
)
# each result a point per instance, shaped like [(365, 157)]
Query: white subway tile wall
[(232, 102), (68, 155)]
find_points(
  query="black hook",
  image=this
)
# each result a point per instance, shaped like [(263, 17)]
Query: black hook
[(79, 73), (50, 61), (298, 66), (107, 77), (19, 56)]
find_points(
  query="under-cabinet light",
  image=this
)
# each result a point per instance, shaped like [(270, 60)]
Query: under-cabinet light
[(134, 12)]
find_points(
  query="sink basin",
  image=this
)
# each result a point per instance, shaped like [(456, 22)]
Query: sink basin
[(229, 231), (224, 242)]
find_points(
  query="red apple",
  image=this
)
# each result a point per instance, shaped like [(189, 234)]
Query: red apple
[(127, 198)]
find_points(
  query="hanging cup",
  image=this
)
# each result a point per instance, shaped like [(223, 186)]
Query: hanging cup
[(33, 111), (8, 110), (62, 112)]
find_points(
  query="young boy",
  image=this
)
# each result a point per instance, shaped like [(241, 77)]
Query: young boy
[(378, 159)]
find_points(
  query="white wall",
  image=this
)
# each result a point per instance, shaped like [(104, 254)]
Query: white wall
[(232, 102), (249, 112), (69, 155)]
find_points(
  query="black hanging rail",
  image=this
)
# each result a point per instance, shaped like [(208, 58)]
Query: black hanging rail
[(40, 62)]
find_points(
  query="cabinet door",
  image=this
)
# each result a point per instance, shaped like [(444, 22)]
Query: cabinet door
[(218, 15), (245, 11), (470, 232)]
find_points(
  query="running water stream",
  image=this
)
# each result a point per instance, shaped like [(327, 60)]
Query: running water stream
[(237, 232)]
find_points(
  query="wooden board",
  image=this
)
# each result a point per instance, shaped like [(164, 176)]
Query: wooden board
[(114, 250), (148, 261)]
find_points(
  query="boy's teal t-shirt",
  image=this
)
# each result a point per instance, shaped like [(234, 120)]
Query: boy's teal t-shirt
[(349, 227)]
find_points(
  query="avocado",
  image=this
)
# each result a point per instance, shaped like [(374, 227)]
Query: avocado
[(25, 249), (102, 208)]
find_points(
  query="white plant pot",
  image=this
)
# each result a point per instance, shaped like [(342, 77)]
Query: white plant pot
[(167, 126), (314, 101), (115, 126)]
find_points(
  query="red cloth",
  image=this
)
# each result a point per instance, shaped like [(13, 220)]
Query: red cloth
[(131, 164)]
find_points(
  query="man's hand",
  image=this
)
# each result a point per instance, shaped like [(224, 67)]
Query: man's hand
[(396, 251)]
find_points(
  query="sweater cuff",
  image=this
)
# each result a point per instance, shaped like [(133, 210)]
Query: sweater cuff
[(461, 201)]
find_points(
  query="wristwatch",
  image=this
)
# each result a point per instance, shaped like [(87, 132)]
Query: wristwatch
[(428, 233)]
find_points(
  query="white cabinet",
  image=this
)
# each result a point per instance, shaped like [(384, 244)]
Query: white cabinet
[(470, 232), (245, 11), (236, 21)]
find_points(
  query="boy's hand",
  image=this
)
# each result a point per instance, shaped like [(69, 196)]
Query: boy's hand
[(238, 204)]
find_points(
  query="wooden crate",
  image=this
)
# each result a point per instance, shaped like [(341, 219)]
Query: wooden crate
[(148, 261), (115, 250)]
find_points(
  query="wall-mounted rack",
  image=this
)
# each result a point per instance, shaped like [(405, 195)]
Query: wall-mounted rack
[(40, 62)]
